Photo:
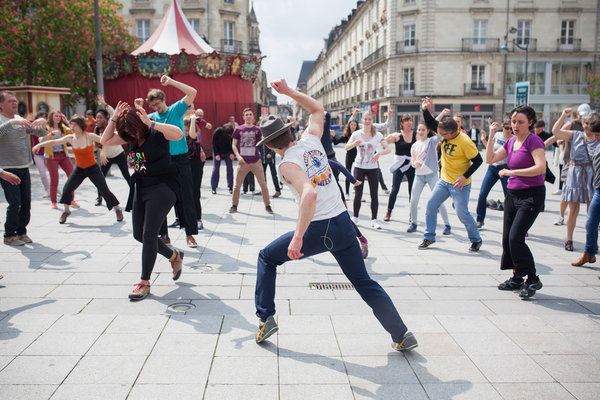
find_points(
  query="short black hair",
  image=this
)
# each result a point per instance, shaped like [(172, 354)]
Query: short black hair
[(540, 124), (448, 124), (527, 111)]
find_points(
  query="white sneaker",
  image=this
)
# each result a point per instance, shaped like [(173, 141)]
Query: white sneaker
[(375, 224), (46, 195), (557, 191), (354, 219), (559, 221)]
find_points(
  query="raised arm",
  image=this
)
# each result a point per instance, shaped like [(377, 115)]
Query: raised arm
[(107, 106), (190, 92), (558, 130), (432, 123), (314, 107), (109, 136), (492, 157), (383, 126), (192, 131)]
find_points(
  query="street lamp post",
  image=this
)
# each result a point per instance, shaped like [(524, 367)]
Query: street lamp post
[(515, 42)]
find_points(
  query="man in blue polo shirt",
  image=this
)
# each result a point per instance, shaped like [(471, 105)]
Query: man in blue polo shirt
[(173, 115)]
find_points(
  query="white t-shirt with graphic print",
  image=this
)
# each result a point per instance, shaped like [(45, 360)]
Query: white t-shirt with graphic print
[(366, 150), (308, 153)]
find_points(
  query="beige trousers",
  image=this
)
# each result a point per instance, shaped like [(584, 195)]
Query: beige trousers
[(241, 172)]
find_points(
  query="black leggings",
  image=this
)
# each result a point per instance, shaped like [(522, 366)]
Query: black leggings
[(121, 161), (521, 208), (147, 217), (197, 166), (398, 177), (350, 157), (95, 175), (372, 176), (274, 176)]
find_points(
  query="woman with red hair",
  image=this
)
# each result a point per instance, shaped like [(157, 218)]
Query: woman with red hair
[(154, 184)]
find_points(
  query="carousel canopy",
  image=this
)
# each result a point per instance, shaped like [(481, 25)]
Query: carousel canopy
[(173, 34)]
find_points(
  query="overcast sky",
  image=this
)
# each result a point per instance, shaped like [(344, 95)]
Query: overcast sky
[(292, 31)]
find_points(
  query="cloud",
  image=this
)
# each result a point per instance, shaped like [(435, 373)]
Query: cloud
[(293, 31)]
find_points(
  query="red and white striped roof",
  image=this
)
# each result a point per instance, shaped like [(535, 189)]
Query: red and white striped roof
[(173, 34)]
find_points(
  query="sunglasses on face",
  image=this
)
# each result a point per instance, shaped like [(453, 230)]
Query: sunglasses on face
[(506, 128)]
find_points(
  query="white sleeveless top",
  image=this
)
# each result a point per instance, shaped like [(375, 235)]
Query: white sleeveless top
[(308, 153)]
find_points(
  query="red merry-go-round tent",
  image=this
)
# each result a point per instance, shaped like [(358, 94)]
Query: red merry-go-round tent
[(223, 81)]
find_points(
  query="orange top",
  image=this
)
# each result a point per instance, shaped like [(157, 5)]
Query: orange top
[(84, 158)]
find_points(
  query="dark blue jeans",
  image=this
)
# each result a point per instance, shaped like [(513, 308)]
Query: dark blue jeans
[(18, 197), (489, 180), (591, 224), (337, 236)]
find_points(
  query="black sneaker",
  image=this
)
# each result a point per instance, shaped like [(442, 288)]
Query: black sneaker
[(408, 342), (511, 284), (425, 244), (232, 209), (266, 329), (98, 201), (213, 191), (268, 209), (475, 246), (174, 224), (529, 288)]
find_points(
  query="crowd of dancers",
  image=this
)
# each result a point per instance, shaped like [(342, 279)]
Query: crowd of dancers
[(165, 153)]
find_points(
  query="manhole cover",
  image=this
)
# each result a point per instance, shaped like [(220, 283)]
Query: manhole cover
[(330, 286), (181, 307), (202, 268)]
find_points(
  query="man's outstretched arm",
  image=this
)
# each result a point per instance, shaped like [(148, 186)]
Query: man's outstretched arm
[(314, 107)]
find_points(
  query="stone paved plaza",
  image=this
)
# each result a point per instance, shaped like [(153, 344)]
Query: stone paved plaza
[(68, 331)]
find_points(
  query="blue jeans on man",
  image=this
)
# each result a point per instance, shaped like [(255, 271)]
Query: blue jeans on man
[(18, 197), (489, 180), (460, 197), (591, 224), (337, 236)]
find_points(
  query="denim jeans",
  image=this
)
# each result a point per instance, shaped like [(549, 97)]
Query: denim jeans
[(335, 235), (489, 180), (591, 224), (396, 181), (18, 197), (460, 197), (420, 182)]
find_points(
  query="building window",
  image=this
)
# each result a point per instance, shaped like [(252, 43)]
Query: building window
[(408, 80), (523, 32), (478, 77), (409, 35), (195, 22), (228, 42), (143, 29), (228, 1), (567, 29), (479, 32), (409, 1)]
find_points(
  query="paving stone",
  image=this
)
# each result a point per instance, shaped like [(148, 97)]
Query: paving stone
[(302, 392), (389, 392), (179, 391), (173, 369), (91, 392), (570, 368), (311, 370), (244, 371), (119, 344), (448, 369), (26, 392), (583, 391), (512, 368), (458, 391), (106, 369), (546, 391), (61, 344), (38, 370)]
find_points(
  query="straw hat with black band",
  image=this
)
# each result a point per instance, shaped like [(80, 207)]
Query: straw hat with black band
[(272, 127)]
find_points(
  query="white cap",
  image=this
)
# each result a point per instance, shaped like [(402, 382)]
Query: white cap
[(584, 110)]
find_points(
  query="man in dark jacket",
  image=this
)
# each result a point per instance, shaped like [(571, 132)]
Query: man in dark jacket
[(221, 147)]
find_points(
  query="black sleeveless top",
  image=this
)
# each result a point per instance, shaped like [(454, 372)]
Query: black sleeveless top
[(402, 147)]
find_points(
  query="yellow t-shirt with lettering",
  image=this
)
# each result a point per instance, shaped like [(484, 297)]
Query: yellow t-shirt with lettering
[(456, 157)]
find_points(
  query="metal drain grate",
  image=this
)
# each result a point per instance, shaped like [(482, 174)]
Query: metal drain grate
[(330, 286)]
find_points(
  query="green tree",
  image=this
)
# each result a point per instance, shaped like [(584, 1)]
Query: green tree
[(52, 42), (593, 88)]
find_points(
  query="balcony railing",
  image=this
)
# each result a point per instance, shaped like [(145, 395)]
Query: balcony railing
[(358, 98), (381, 92), (479, 89), (374, 57), (408, 90), (529, 43), (566, 44), (366, 96), (407, 46), (231, 46), (374, 93), (253, 47), (569, 89), (480, 44)]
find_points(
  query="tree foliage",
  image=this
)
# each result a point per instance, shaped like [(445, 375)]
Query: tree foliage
[(52, 42), (593, 88)]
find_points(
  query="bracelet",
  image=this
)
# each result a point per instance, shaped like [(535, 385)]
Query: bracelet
[(152, 125), (115, 122)]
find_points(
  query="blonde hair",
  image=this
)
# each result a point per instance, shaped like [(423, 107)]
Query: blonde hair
[(373, 130)]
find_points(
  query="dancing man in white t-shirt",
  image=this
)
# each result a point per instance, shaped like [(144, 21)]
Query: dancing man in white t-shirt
[(323, 223)]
